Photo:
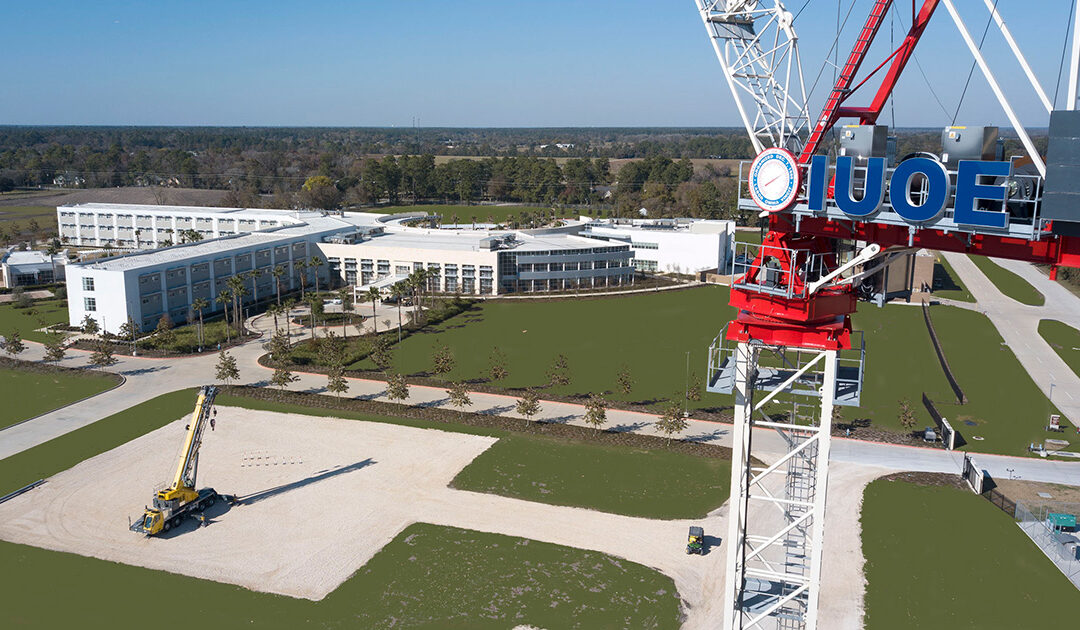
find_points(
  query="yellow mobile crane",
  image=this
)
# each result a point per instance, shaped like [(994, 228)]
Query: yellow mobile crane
[(181, 499)]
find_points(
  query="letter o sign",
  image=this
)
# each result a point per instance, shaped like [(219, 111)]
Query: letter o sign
[(937, 187)]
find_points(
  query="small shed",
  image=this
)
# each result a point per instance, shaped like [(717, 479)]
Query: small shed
[(1061, 522)]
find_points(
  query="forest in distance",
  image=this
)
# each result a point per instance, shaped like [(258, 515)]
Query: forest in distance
[(668, 171)]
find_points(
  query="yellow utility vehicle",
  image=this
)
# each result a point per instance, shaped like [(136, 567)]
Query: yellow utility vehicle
[(181, 499)]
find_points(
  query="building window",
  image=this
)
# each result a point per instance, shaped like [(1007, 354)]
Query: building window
[(486, 271), (90, 304), (402, 270), (87, 284), (451, 271), (451, 285), (384, 268)]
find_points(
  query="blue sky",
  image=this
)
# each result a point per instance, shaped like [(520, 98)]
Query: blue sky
[(458, 63)]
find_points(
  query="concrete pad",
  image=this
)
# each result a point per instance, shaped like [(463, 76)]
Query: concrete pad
[(320, 497)]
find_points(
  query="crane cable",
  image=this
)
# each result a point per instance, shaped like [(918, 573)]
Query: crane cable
[(971, 71), (1064, 51), (922, 72)]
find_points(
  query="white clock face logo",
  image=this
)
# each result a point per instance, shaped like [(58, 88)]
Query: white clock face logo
[(774, 179)]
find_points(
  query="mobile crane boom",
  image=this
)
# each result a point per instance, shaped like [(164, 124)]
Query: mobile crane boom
[(181, 498)]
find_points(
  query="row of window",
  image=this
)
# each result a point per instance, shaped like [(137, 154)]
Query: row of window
[(646, 246)]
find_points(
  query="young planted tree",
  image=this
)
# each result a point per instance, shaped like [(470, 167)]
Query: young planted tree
[(55, 351), (595, 411), (559, 373), (625, 380), (906, 415), (399, 291), (335, 381), (694, 391), (442, 359), (382, 352), (164, 331), (226, 369), (90, 326), (279, 347), (346, 307), (289, 305), (397, 388), (315, 304), (129, 330), (274, 310), (497, 370), (459, 396), (102, 355), (13, 343), (282, 377), (671, 421), (528, 405)]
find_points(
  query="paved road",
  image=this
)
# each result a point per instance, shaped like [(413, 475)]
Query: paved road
[(1018, 325), (147, 378)]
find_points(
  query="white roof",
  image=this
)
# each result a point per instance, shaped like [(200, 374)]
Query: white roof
[(474, 240)]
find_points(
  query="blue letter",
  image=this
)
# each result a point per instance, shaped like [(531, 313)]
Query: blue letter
[(874, 191), (937, 189), (969, 192), (815, 191)]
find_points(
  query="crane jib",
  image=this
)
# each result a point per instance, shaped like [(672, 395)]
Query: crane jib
[(189, 460)]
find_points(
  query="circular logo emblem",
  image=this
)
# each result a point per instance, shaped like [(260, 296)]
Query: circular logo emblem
[(774, 179)]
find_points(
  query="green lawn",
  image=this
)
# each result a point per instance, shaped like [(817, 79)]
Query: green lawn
[(748, 236), (427, 577), (646, 483), (465, 214), (947, 284), (1064, 339), (650, 333), (45, 215), (1008, 282), (28, 320), (944, 558), (28, 394)]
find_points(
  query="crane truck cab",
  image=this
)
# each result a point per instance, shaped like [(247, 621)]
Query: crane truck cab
[(181, 499)]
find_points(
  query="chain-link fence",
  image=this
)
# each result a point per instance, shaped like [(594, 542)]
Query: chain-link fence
[(1062, 547)]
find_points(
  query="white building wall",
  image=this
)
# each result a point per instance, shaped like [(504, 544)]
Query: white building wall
[(675, 251), (114, 297), (409, 256)]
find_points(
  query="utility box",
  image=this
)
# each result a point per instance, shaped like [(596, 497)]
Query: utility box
[(864, 141), (968, 143), (1061, 192)]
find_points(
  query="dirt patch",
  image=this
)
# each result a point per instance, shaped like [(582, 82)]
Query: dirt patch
[(1028, 491), (318, 498)]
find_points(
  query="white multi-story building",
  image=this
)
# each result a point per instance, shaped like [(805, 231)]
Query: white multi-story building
[(481, 262), (670, 245), (133, 226), (26, 268), (145, 285)]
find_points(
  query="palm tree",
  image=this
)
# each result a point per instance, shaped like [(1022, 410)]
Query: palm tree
[(198, 305), (278, 271), (346, 306), (223, 298), (300, 267), (399, 291), (238, 290), (312, 300), (253, 275), (289, 304), (373, 296), (315, 263), (274, 310)]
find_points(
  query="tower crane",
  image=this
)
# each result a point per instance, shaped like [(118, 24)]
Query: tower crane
[(181, 498), (793, 332)]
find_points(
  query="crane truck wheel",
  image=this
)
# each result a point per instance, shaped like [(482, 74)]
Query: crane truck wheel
[(167, 526)]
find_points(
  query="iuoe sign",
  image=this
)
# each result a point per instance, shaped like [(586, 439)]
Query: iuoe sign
[(969, 190)]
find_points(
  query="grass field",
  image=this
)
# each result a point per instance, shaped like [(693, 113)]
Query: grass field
[(1008, 282), (944, 558), (1064, 339), (427, 577), (28, 320), (27, 394), (652, 333), (45, 215), (947, 284), (465, 214), (647, 483)]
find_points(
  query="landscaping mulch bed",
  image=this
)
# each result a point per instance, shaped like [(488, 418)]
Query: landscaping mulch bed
[(555, 430), (123, 348), (869, 433), (49, 368)]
